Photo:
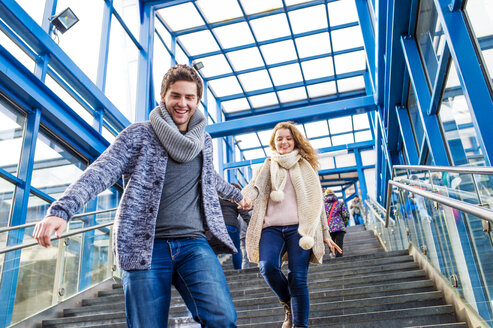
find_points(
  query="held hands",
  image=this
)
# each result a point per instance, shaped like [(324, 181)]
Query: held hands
[(245, 204), (333, 246), (44, 229)]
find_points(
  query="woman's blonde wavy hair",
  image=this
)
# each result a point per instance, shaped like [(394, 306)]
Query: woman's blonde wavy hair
[(301, 143)]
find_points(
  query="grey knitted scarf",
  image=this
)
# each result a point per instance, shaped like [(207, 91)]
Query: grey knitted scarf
[(181, 148)]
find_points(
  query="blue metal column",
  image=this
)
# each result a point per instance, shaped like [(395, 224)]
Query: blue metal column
[(361, 174), (104, 45), (407, 135), (10, 272), (144, 80)]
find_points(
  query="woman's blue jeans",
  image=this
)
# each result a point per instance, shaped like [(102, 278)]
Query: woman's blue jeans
[(192, 267), (234, 234), (274, 242)]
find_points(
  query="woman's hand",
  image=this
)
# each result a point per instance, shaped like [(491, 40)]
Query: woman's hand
[(333, 246), (245, 203)]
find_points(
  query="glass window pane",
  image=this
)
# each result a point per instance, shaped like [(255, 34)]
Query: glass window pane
[(160, 65), (198, 43), (292, 95), (457, 126), (278, 52), (55, 167), (265, 100), (12, 126), (415, 118), (35, 9), (270, 27), (245, 59), (214, 66), (350, 62), (236, 105), (308, 19), (255, 80), (343, 139), (317, 129), (347, 38), (430, 38), (121, 75), (234, 35), (321, 89), (340, 125), (351, 84), (225, 87), (6, 197), (480, 14), (81, 43), (219, 10), (342, 12), (317, 68), (173, 16), (16, 51), (129, 12), (286, 74), (252, 7), (313, 45)]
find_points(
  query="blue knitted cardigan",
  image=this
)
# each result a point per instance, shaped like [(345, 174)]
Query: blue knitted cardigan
[(138, 156)]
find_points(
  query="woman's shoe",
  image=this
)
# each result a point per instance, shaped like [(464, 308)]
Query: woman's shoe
[(288, 317)]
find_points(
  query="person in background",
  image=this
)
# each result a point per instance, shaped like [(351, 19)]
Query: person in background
[(243, 229), (288, 221), (169, 217), (231, 214), (337, 218), (356, 210)]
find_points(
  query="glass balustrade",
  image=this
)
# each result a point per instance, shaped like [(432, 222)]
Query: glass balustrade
[(458, 244), (47, 276)]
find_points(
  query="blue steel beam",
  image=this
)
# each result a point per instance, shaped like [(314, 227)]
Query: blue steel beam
[(431, 126), (468, 65), (22, 24), (399, 15), (380, 43), (144, 81), (344, 169), (407, 135), (368, 37), (361, 174), (301, 115)]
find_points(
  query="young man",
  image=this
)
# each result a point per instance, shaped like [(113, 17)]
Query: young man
[(169, 214), (356, 210)]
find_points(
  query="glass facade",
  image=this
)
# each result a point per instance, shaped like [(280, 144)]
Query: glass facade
[(415, 118), (456, 122)]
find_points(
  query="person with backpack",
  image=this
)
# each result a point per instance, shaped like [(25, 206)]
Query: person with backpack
[(337, 218)]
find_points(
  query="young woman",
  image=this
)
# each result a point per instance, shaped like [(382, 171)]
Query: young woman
[(288, 220), (337, 217)]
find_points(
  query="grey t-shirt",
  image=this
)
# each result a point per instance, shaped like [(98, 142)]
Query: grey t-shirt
[(180, 211)]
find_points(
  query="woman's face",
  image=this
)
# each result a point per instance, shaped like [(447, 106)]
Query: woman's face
[(284, 141)]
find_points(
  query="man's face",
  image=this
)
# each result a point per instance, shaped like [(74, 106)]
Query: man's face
[(181, 101)]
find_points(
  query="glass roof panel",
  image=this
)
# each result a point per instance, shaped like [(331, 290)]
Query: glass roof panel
[(290, 95), (340, 124), (345, 160), (363, 136), (321, 143), (253, 154), (321, 89), (265, 137), (248, 140), (270, 27), (308, 19), (219, 10), (252, 7), (301, 129), (278, 52), (173, 16), (214, 65), (286, 74), (342, 12), (234, 35), (225, 86), (314, 69), (264, 100), (199, 42), (255, 80), (343, 139), (313, 45), (360, 121), (350, 62), (245, 59), (351, 84), (347, 38), (236, 105), (317, 129), (294, 2)]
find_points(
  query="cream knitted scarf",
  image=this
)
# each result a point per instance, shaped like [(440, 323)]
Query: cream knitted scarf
[(306, 184), (181, 148)]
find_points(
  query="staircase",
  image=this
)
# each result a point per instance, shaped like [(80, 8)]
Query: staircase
[(366, 288)]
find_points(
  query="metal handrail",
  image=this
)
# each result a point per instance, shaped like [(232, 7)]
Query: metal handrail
[(65, 235), (480, 212), (454, 169), (27, 225)]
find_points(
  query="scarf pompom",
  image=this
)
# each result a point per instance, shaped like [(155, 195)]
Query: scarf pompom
[(307, 242), (277, 195)]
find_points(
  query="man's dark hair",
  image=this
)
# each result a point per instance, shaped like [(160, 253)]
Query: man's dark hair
[(181, 72)]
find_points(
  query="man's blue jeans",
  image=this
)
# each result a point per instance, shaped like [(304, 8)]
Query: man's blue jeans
[(192, 267), (358, 219), (234, 234), (274, 242)]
